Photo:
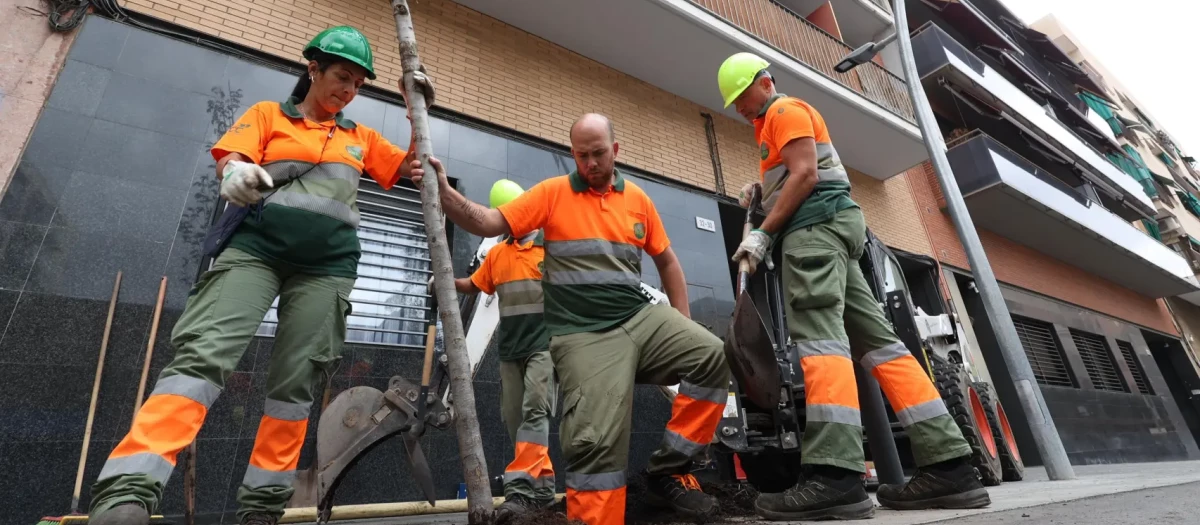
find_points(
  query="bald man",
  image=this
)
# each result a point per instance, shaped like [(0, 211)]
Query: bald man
[(605, 336)]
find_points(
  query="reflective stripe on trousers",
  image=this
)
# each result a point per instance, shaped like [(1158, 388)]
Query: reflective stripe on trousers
[(596, 499), (531, 461), (277, 445), (695, 414), (831, 393), (166, 423), (913, 400)]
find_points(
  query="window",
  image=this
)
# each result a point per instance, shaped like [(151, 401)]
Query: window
[(391, 300), (1135, 368), (1043, 351), (1098, 361)]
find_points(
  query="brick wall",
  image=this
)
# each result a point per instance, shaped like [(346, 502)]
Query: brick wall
[(483, 68), (500, 74), (1023, 267)]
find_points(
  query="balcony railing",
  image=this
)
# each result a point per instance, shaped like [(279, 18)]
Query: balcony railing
[(779, 27)]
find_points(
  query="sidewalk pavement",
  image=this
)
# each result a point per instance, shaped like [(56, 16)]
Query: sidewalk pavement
[(1035, 490)]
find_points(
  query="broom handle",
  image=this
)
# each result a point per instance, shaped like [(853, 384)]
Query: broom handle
[(87, 432), (137, 402)]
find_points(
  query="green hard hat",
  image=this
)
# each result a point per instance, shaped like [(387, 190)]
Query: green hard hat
[(345, 42), (737, 73), (503, 191)]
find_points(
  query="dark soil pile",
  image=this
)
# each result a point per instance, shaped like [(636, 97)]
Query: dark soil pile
[(735, 500)]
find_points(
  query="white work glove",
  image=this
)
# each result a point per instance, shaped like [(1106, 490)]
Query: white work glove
[(430, 289), (744, 196), (240, 182), (754, 248)]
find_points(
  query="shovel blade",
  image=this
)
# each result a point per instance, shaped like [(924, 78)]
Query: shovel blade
[(751, 354), (419, 466)]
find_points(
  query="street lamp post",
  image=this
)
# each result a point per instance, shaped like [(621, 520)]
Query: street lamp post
[(1045, 435)]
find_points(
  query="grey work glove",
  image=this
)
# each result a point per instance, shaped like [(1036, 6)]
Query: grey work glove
[(754, 248), (425, 83)]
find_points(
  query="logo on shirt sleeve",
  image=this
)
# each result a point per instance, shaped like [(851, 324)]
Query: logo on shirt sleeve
[(764, 151), (639, 231), (355, 152)]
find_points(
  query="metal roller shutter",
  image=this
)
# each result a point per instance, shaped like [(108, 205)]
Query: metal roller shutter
[(1098, 361), (1044, 353), (1135, 367)]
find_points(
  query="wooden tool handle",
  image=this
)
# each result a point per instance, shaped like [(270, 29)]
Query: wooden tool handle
[(430, 337)]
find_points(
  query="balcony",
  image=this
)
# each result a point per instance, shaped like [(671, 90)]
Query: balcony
[(958, 81), (1009, 195), (860, 21), (678, 45)]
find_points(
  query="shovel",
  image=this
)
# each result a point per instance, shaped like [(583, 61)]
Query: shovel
[(748, 347)]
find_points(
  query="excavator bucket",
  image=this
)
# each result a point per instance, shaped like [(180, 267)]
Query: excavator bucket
[(751, 355), (356, 421)]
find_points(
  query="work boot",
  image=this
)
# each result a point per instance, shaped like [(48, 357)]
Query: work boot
[(824, 492), (680, 492), (131, 513), (258, 518), (516, 504), (950, 484)]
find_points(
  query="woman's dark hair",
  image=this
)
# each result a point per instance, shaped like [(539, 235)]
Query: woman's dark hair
[(324, 60)]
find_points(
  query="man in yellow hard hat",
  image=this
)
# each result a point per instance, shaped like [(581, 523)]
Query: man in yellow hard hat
[(834, 319), (512, 271)]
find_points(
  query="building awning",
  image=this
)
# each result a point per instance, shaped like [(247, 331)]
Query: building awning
[(1059, 58), (1020, 70), (968, 18), (1072, 116), (1167, 182)]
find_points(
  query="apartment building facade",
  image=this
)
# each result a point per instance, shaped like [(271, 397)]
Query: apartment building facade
[(1174, 187), (1064, 227), (112, 174)]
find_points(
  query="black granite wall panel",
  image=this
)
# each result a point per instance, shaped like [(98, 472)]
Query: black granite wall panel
[(117, 177)]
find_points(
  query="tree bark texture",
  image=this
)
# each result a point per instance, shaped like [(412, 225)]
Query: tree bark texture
[(470, 445)]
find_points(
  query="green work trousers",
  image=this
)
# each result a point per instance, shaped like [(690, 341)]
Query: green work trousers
[(527, 398), (598, 370), (222, 314), (833, 318)]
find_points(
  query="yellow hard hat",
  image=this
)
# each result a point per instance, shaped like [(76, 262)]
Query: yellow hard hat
[(737, 73)]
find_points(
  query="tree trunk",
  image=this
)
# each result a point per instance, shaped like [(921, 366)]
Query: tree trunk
[(470, 445)]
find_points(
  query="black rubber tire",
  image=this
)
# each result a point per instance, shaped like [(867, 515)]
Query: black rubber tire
[(953, 383), (1011, 466), (771, 471)]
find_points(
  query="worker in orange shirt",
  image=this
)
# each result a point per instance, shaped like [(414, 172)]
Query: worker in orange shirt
[(512, 270), (297, 164), (833, 318), (605, 336)]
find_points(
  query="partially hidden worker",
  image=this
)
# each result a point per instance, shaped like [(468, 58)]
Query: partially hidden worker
[(512, 271), (605, 336), (834, 319), (300, 245)]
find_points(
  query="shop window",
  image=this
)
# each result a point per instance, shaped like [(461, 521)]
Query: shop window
[(391, 300), (1135, 368), (1043, 351), (1098, 361)]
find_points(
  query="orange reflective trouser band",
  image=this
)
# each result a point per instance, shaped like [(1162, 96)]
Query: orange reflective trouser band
[(598, 369), (527, 395), (223, 312), (835, 321)]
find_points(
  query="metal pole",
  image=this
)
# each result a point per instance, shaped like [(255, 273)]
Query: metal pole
[(878, 429), (1050, 447)]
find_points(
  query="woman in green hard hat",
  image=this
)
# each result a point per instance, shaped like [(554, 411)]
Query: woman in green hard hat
[(299, 244)]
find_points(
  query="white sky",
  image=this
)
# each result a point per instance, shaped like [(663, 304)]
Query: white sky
[(1151, 46)]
